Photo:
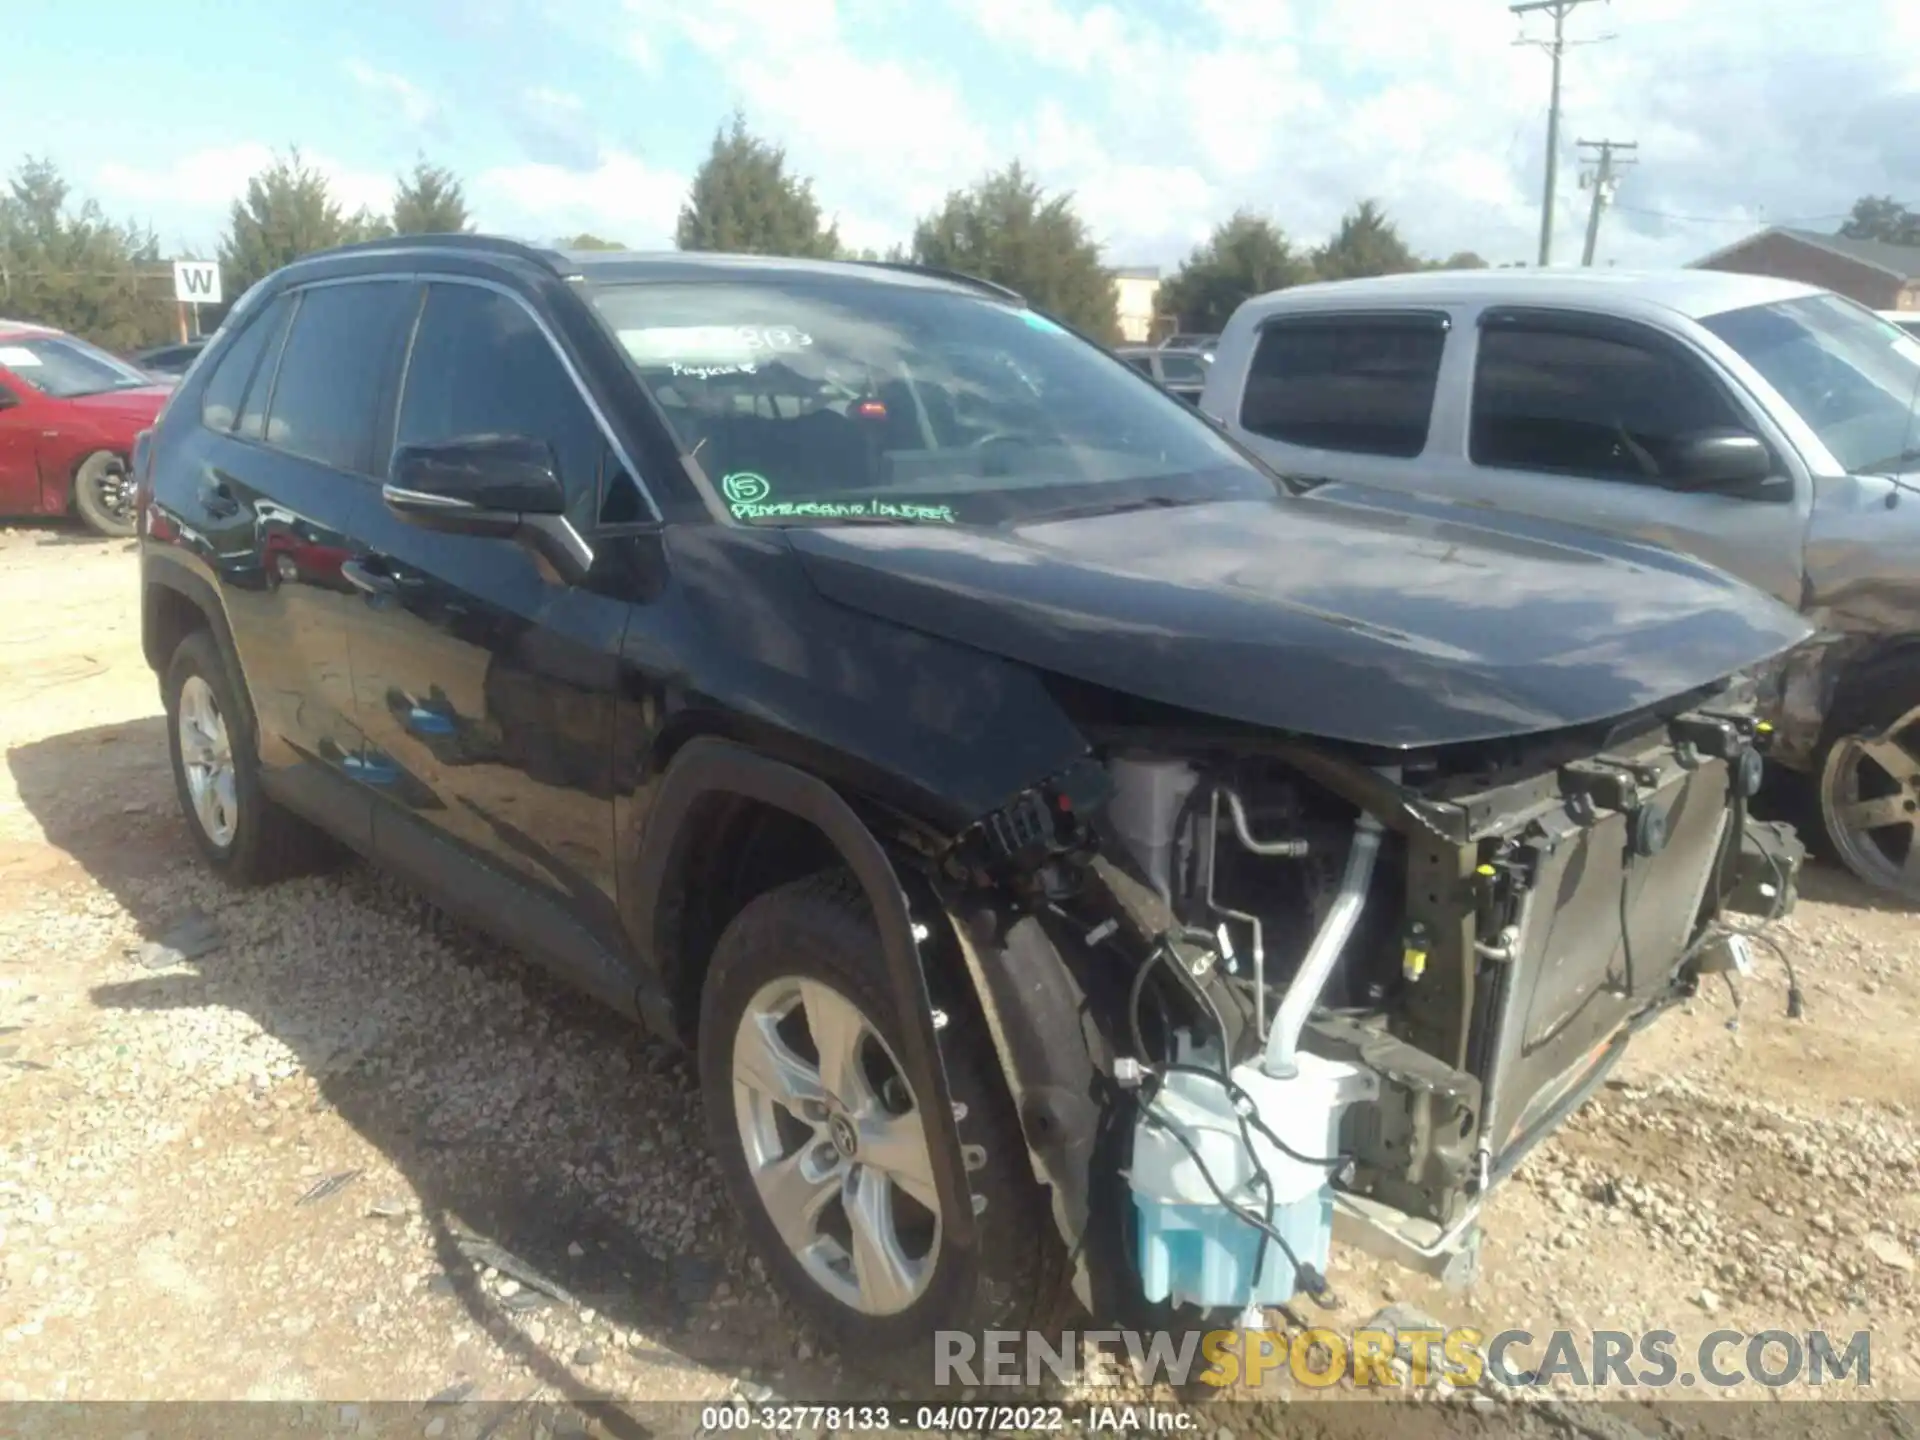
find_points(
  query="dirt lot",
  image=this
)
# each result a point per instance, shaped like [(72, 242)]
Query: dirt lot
[(274, 1170)]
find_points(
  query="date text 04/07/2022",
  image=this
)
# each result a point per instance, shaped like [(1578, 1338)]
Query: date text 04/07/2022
[(941, 1418)]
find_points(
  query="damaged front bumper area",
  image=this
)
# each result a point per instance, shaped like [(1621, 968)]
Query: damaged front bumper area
[(1242, 986)]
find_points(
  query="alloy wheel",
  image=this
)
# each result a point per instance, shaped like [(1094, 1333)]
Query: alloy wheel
[(113, 491), (1870, 796), (836, 1145), (206, 754)]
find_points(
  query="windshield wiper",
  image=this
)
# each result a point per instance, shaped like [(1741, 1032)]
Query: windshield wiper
[(1121, 507)]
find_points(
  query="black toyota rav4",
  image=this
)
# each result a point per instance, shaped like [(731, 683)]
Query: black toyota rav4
[(1077, 856)]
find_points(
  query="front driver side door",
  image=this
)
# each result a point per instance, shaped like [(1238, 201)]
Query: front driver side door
[(1571, 416), (19, 449), (486, 684)]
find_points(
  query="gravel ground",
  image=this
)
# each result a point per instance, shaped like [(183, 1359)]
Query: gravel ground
[(354, 1152)]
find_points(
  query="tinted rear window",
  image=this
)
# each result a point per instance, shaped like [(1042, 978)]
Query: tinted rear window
[(220, 401), (1355, 383)]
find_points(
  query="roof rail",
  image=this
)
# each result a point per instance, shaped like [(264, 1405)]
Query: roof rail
[(483, 244), (961, 277)]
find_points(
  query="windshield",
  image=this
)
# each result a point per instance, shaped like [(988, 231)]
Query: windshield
[(63, 367), (1852, 376), (827, 398)]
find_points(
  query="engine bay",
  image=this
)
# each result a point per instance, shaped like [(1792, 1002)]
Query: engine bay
[(1371, 982)]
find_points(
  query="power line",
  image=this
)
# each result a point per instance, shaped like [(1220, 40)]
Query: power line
[(1555, 48), (1755, 220), (1602, 180)]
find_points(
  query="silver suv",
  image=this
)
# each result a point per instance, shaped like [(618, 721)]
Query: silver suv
[(1766, 426)]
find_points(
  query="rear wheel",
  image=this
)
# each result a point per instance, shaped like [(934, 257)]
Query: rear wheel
[(1869, 787), (830, 1156), (217, 775), (103, 494)]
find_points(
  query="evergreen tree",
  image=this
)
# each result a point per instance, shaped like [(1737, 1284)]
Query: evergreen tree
[(1008, 230), (431, 201), (744, 201)]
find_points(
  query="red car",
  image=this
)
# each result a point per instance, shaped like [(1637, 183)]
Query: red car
[(68, 415)]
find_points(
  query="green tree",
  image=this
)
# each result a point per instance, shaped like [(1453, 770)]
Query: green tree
[(1881, 217), (1367, 243), (1246, 255), (69, 266), (584, 241), (894, 254), (288, 211), (1459, 260), (1008, 230), (744, 201), (431, 201)]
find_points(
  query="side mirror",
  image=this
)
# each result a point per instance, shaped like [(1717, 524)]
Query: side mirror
[(497, 486), (1729, 460)]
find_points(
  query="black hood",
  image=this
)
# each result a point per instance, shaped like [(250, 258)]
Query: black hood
[(1348, 614)]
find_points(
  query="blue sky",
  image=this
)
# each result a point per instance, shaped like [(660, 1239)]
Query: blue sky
[(1161, 115)]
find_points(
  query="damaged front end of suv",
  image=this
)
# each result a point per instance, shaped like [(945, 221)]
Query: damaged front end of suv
[(1271, 982), (1331, 945)]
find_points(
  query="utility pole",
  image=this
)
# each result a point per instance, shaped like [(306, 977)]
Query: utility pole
[(1603, 182), (1555, 48)]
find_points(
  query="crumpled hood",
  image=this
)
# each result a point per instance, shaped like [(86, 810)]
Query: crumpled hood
[(1350, 614)]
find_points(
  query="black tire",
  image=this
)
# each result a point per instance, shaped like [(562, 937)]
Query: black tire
[(267, 842), (821, 928), (91, 477), (1881, 697)]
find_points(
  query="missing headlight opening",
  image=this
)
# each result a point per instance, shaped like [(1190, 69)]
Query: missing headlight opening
[(1357, 987)]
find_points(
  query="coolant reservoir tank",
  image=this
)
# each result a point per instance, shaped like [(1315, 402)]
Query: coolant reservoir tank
[(1193, 1249)]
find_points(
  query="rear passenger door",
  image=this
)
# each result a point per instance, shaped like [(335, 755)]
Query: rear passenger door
[(290, 413), (1344, 396), (1576, 416), (486, 683)]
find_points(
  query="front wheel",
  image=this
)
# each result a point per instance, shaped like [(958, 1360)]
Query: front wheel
[(1869, 788), (103, 494), (830, 1156)]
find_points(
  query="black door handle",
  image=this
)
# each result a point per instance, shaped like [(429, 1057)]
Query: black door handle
[(358, 574)]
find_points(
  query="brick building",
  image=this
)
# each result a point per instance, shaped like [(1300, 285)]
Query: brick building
[(1878, 275)]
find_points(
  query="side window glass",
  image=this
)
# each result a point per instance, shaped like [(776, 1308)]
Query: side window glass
[(220, 401), (327, 392), (253, 412), (1182, 370), (1587, 405), (1359, 384), (481, 365)]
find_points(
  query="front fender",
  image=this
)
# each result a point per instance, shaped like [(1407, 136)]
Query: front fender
[(705, 767)]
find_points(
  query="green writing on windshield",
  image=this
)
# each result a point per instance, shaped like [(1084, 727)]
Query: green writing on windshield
[(841, 510)]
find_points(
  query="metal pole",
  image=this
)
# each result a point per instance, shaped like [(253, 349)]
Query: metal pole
[(1555, 49), (1553, 138)]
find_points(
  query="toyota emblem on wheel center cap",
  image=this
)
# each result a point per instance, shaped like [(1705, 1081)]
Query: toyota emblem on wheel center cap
[(841, 1130)]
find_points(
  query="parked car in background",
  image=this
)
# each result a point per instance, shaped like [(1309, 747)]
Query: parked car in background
[(69, 412), (1762, 424), (1907, 320), (862, 679), (171, 360), (1179, 372), (1203, 343)]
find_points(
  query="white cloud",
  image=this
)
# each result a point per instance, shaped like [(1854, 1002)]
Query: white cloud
[(415, 105), (887, 138), (621, 198), (201, 184)]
